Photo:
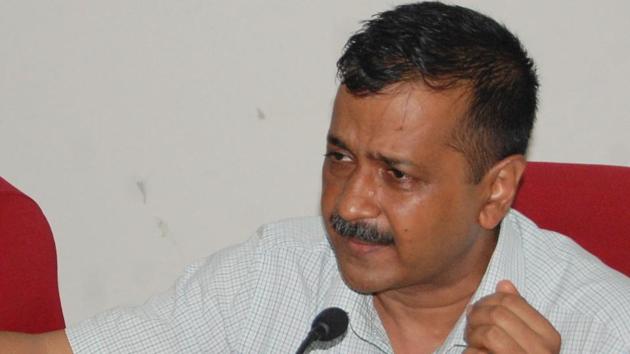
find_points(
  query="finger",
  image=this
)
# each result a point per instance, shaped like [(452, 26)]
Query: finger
[(519, 306), (492, 339), (507, 287), (510, 323), (505, 297)]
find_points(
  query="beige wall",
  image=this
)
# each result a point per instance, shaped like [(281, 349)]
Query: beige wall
[(155, 132)]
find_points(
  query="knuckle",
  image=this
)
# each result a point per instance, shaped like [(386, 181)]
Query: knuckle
[(493, 334), (496, 339), (509, 300), (498, 314)]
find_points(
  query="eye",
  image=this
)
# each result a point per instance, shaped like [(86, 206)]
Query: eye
[(337, 156), (397, 174)]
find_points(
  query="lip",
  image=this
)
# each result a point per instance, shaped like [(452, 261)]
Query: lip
[(361, 248)]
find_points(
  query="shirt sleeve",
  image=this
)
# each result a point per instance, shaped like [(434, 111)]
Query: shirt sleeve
[(202, 312)]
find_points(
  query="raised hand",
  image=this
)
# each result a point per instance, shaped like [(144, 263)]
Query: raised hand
[(505, 323)]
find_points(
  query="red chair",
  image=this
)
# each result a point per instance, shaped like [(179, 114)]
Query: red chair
[(29, 294), (589, 203)]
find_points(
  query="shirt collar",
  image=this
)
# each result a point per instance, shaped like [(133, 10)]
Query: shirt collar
[(507, 262)]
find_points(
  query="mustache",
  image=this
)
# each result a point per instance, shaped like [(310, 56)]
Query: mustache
[(361, 231)]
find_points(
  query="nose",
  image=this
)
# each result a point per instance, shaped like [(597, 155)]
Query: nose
[(358, 198)]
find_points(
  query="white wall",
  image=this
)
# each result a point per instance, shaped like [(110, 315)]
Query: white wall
[(155, 132)]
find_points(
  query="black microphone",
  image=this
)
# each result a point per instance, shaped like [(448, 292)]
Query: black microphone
[(328, 325)]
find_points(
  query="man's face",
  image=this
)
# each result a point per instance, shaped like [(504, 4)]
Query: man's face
[(389, 167)]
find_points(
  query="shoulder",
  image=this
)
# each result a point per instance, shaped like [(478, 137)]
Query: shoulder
[(572, 285), (306, 233), (276, 274), (286, 248)]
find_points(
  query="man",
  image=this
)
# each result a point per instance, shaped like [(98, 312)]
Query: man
[(416, 242)]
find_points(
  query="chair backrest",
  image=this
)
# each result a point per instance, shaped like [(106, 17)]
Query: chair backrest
[(29, 293), (589, 203)]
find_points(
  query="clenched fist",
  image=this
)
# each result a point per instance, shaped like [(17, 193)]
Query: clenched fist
[(505, 323)]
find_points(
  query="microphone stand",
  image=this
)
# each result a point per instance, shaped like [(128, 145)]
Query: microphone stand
[(310, 338)]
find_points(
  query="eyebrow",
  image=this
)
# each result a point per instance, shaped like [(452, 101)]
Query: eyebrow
[(393, 162), (336, 141), (389, 161)]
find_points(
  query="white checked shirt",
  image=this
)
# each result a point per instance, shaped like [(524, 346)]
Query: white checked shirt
[(261, 296)]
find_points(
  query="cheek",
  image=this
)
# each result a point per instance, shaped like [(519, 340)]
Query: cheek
[(331, 187), (408, 217), (422, 221), (430, 228), (404, 209)]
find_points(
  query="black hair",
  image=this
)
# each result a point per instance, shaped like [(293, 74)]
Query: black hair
[(444, 46)]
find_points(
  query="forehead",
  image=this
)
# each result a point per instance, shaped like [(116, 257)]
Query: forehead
[(402, 118)]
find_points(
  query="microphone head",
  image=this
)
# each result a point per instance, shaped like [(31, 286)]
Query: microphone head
[(330, 323)]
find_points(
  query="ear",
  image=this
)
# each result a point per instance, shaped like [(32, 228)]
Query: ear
[(500, 185)]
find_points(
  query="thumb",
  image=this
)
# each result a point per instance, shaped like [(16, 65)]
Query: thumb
[(506, 286)]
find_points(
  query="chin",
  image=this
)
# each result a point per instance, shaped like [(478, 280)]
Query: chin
[(360, 287), (362, 280)]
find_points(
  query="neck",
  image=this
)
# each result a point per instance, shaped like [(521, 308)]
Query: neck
[(422, 315)]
